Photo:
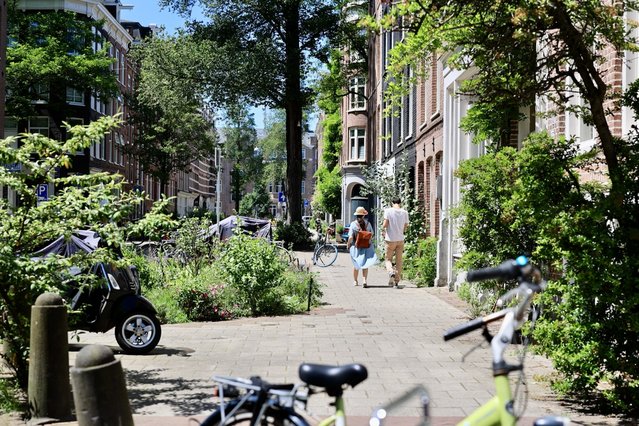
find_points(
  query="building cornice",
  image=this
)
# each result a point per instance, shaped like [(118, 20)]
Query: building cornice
[(93, 9)]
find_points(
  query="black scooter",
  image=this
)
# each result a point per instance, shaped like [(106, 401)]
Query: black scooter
[(115, 302)]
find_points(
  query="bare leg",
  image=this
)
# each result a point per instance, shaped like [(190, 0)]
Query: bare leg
[(355, 275), (399, 261)]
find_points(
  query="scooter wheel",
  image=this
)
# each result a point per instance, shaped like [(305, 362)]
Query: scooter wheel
[(138, 332)]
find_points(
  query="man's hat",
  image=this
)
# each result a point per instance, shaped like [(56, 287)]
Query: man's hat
[(360, 211)]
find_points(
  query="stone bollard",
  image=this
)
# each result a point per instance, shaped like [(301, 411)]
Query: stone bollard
[(49, 389), (99, 390)]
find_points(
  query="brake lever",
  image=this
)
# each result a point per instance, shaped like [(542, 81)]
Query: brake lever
[(488, 338)]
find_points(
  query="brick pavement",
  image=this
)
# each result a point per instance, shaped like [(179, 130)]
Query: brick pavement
[(395, 333)]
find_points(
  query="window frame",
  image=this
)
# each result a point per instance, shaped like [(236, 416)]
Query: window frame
[(357, 144)]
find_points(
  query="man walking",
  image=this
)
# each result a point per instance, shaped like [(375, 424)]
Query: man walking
[(395, 224)]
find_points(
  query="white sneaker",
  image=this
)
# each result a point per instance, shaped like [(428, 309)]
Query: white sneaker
[(391, 279), (355, 283)]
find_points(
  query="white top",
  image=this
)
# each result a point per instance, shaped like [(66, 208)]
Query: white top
[(397, 220)]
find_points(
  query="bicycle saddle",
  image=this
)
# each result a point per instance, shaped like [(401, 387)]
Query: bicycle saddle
[(332, 377)]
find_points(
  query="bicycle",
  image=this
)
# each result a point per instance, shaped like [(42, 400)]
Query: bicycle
[(500, 410), (258, 402), (261, 403), (324, 253)]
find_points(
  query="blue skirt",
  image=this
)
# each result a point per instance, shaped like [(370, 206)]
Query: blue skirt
[(363, 258)]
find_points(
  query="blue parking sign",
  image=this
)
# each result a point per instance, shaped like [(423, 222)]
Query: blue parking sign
[(43, 192)]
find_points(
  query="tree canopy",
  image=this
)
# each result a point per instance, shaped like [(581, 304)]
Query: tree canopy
[(271, 47), (240, 143), (519, 50), (173, 127), (50, 53)]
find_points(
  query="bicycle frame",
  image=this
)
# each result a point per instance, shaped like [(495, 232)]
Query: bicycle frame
[(337, 419), (499, 410)]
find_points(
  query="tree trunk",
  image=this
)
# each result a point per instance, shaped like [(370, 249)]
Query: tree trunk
[(595, 89), (293, 100)]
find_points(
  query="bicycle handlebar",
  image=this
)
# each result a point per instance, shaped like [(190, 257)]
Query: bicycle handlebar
[(462, 329), (509, 269), (530, 283)]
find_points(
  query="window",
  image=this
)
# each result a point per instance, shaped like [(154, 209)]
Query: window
[(11, 128), (40, 92), (303, 187), (436, 95), (357, 138), (357, 95), (270, 187), (98, 149), (303, 153), (39, 125), (75, 96), (117, 64)]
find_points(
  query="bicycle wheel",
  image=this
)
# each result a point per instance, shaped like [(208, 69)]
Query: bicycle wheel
[(285, 255), (326, 255), (272, 417)]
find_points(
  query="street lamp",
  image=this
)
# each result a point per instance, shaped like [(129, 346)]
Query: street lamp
[(218, 189)]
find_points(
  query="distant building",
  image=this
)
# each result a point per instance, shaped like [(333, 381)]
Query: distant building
[(108, 154)]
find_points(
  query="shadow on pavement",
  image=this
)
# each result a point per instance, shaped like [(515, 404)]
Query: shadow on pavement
[(159, 350), (183, 397)]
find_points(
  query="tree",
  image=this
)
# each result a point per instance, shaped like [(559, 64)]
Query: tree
[(173, 128), (328, 190), (256, 203), (273, 148), (239, 147), (94, 201), (169, 141), (520, 50), (270, 45), (50, 52)]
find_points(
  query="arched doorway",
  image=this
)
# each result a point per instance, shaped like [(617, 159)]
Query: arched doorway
[(359, 200)]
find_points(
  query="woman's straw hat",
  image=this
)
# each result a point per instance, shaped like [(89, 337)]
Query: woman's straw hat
[(360, 211)]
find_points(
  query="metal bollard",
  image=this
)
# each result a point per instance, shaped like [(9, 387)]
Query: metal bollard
[(310, 293), (49, 389), (99, 390)]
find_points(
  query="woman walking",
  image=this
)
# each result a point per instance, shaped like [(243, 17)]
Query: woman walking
[(361, 250)]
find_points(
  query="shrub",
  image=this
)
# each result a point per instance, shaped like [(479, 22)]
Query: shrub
[(254, 271), (204, 303), (533, 201), (191, 246), (294, 292), (165, 301), (421, 261), (480, 300), (294, 235)]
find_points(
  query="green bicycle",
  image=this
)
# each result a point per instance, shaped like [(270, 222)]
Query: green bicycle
[(257, 402), (499, 410)]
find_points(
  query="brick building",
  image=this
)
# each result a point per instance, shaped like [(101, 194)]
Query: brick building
[(425, 132)]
